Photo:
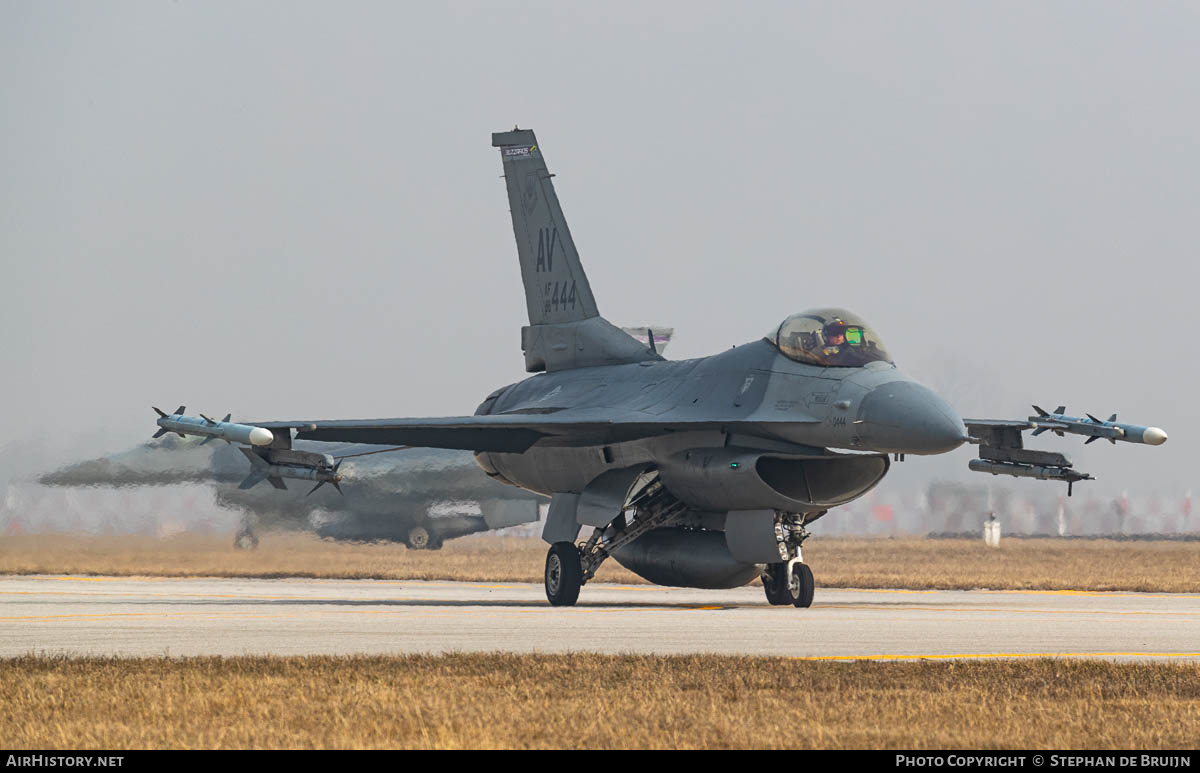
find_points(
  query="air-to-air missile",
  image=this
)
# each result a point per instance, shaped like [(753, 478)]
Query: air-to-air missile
[(270, 464), (1059, 423), (275, 464), (209, 429), (1001, 451)]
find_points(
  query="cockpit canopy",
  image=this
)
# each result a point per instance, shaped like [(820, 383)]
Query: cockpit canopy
[(833, 338)]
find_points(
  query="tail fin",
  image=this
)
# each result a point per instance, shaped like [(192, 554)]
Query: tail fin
[(565, 327)]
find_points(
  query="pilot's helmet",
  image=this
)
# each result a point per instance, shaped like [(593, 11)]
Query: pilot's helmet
[(834, 327)]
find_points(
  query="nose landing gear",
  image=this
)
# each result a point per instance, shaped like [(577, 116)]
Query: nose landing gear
[(790, 581)]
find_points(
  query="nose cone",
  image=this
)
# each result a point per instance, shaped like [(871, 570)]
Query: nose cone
[(907, 418), (261, 436), (1153, 436)]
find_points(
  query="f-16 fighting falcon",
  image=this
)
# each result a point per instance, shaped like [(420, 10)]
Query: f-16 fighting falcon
[(703, 473), (421, 498)]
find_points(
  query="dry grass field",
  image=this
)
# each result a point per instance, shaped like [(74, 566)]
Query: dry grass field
[(913, 562), (593, 701)]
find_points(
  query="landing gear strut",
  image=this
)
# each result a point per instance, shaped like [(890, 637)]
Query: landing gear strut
[(790, 581), (568, 567)]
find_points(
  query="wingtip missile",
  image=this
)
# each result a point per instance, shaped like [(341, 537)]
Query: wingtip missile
[(1153, 436), (208, 428), (1092, 427)]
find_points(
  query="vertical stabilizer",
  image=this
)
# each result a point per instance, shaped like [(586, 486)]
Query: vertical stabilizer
[(556, 289), (565, 327)]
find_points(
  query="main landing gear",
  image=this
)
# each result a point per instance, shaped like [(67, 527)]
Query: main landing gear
[(564, 574), (419, 538), (568, 567)]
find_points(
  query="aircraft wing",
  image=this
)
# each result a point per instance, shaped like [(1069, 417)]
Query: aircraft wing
[(511, 433)]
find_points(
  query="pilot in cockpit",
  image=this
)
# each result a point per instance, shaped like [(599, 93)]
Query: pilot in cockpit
[(830, 338), (834, 334)]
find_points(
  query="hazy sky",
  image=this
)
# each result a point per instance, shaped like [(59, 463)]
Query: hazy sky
[(292, 210)]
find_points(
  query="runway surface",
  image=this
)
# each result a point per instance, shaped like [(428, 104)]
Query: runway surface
[(168, 616)]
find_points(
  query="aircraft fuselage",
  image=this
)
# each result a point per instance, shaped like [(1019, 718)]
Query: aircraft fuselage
[(750, 397)]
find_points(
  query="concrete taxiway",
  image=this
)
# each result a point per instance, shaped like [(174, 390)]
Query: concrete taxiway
[(169, 616)]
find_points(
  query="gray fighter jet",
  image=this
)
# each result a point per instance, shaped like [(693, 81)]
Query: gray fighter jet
[(420, 497), (702, 473)]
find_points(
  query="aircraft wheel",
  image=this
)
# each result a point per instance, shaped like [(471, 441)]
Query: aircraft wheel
[(435, 543), (418, 538), (803, 585), (775, 584), (564, 574)]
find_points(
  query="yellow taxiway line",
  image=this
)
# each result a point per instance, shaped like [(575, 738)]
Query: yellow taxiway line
[(994, 655)]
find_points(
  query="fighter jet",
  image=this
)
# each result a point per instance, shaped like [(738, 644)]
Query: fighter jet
[(421, 497), (702, 473)]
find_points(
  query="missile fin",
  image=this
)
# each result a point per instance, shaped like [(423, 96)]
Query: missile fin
[(179, 411), (1113, 417), (277, 482), (314, 488), (1089, 440), (256, 462), (205, 440), (1060, 410), (160, 433), (1039, 430), (228, 416), (160, 413), (210, 421), (251, 480), (1040, 412), (1093, 418)]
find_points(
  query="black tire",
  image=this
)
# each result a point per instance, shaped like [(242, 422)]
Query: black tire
[(564, 574), (418, 538), (775, 585), (803, 586)]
